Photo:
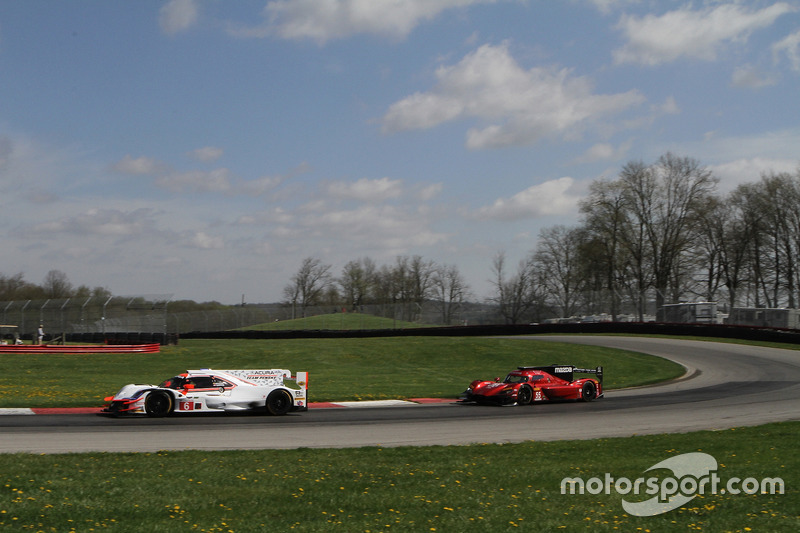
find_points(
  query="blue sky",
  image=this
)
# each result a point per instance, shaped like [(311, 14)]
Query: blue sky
[(204, 148)]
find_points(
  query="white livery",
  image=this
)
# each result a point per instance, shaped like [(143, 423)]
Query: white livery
[(207, 390)]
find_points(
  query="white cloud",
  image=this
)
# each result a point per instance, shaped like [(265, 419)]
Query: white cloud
[(552, 197), (384, 227), (750, 170), (325, 20), (430, 192), (273, 217), (177, 16), (653, 40), (522, 106), (606, 6), (204, 241), (29, 166), (206, 154), (366, 190), (771, 145), (605, 152), (105, 222), (259, 186), (790, 45), (749, 76), (669, 107), (217, 180), (140, 166), (743, 159)]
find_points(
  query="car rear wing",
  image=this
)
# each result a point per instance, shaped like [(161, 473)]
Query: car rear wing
[(301, 379), (566, 372)]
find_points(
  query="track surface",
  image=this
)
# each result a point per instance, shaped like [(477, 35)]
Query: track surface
[(726, 386)]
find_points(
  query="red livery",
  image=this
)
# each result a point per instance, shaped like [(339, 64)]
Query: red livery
[(528, 384)]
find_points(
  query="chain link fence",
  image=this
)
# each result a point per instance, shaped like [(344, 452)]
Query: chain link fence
[(58, 317), (152, 314)]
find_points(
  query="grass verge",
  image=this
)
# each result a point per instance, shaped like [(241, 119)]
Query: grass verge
[(340, 369), (490, 487)]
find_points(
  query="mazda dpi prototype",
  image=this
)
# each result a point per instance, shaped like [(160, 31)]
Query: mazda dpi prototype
[(206, 390), (528, 384)]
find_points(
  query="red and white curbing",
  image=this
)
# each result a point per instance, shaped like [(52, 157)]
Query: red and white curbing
[(313, 405)]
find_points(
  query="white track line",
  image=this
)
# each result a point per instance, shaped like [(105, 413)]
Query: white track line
[(16, 411)]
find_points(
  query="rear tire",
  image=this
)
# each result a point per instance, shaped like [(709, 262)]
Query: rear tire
[(588, 391), (524, 395), (158, 404), (279, 402)]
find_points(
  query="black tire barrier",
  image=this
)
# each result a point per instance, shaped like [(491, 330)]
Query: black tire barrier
[(723, 331)]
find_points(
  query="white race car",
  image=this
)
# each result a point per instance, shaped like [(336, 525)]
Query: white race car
[(206, 390)]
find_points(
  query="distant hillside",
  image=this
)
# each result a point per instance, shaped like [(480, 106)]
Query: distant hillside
[(336, 321)]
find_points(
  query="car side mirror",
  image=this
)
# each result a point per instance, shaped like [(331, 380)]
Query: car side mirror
[(188, 386), (497, 380)]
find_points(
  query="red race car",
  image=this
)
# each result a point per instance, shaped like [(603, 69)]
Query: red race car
[(528, 384)]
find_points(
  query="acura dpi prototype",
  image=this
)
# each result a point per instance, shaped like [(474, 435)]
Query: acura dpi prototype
[(207, 390)]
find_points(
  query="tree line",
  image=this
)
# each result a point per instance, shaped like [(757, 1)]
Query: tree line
[(399, 289), (661, 233), (55, 285), (655, 234)]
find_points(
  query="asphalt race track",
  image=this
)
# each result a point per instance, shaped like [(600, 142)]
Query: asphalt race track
[(726, 385)]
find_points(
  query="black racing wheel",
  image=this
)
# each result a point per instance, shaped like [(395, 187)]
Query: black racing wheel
[(588, 391), (158, 403), (279, 402), (524, 395)]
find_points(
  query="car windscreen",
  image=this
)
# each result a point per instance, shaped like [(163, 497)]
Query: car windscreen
[(517, 378), (172, 383)]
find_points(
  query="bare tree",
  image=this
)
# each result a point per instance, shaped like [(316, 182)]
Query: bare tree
[(517, 294), (557, 258), (356, 282), (605, 221), (710, 256), (57, 285), (666, 202), (420, 280), (100, 293), (638, 186), (730, 228), (15, 287), (309, 285), (405, 286), (776, 200), (685, 187), (449, 290)]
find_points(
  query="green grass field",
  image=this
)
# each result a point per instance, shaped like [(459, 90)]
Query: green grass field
[(490, 487), (339, 369)]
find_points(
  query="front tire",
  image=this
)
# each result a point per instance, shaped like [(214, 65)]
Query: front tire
[(279, 402), (588, 391), (158, 404), (524, 395)]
